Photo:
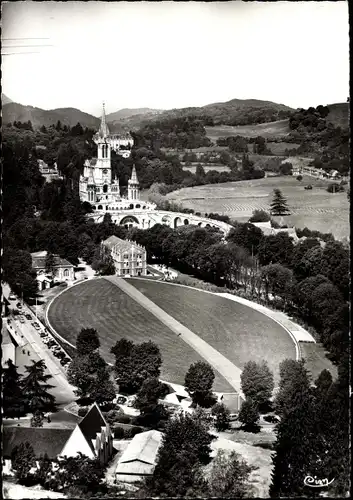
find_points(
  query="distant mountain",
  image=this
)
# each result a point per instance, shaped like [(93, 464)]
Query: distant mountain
[(68, 116), (5, 99), (128, 112), (234, 112)]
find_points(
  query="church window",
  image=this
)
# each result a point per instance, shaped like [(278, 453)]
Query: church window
[(105, 188), (126, 256), (138, 206), (100, 207), (66, 272)]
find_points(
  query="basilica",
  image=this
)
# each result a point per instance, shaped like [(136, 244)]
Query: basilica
[(96, 184)]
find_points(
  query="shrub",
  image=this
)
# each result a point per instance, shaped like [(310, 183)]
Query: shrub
[(123, 419), (299, 177), (130, 433), (334, 188), (82, 411), (265, 445), (112, 416), (119, 432)]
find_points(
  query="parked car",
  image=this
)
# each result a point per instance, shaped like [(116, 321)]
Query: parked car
[(51, 343), (63, 362), (28, 316), (19, 305), (121, 400), (272, 419), (36, 326), (22, 320), (12, 296), (309, 186)]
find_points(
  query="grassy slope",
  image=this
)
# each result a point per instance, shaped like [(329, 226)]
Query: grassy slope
[(236, 331), (269, 130), (101, 305)]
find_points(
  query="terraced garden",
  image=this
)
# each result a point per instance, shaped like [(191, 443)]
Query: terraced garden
[(236, 331), (100, 304)]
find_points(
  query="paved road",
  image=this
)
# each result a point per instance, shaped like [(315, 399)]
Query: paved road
[(219, 362), (38, 350)]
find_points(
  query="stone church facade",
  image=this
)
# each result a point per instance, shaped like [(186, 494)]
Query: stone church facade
[(96, 184)]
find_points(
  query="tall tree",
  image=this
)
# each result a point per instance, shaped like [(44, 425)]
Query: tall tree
[(279, 204), (293, 377), (13, 405), (185, 445), (87, 341), (257, 382), (36, 388), (249, 414), (229, 477), (221, 415), (198, 383), (50, 264), (299, 449)]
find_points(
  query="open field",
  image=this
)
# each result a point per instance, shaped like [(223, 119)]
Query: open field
[(100, 304), (279, 128), (238, 332), (315, 209)]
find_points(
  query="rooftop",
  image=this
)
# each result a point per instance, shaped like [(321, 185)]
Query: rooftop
[(91, 424), (120, 245), (38, 260), (43, 440), (142, 451)]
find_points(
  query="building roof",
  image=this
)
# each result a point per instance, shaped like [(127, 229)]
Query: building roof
[(121, 245), (91, 424), (134, 176), (38, 260), (143, 448), (43, 440)]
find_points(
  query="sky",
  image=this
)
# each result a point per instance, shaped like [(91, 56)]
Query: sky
[(174, 54)]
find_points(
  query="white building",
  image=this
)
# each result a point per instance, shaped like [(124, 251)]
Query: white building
[(129, 257), (96, 184), (140, 457)]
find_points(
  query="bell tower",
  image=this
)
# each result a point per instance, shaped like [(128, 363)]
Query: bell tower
[(133, 186), (103, 165)]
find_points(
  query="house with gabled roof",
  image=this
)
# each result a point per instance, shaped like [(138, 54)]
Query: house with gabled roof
[(140, 457), (92, 437), (63, 270)]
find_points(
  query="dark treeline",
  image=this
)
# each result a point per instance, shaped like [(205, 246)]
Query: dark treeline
[(330, 144)]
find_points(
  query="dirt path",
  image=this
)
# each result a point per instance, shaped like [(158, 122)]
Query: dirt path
[(219, 362)]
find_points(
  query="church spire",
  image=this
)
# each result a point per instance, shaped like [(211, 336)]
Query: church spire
[(134, 175), (103, 129)]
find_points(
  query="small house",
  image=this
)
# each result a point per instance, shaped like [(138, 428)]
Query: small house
[(140, 457), (63, 270)]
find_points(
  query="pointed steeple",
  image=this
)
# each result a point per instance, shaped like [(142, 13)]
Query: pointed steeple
[(134, 176), (103, 129)]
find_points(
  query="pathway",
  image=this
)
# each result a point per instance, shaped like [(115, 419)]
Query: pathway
[(219, 362)]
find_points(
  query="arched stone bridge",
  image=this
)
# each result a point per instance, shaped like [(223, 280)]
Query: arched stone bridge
[(144, 219)]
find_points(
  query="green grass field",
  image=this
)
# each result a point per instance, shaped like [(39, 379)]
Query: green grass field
[(269, 130), (236, 331), (316, 209), (100, 304)]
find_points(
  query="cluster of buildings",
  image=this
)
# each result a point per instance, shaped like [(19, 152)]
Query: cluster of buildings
[(49, 173), (92, 437), (96, 184), (319, 173)]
